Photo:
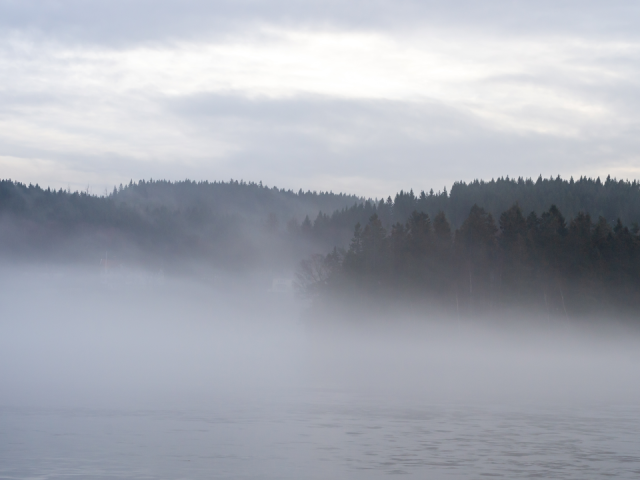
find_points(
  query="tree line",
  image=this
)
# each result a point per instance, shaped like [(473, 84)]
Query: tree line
[(610, 199), (540, 262), (234, 224), (239, 224)]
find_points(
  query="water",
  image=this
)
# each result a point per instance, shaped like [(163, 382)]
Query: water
[(178, 381), (320, 440)]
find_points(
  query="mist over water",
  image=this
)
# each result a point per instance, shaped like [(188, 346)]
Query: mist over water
[(141, 375), (76, 338)]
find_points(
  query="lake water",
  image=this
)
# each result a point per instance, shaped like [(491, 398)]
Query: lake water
[(323, 439), (178, 381)]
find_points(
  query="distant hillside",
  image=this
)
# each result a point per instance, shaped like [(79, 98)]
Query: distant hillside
[(158, 222), (237, 223), (611, 199), (234, 198)]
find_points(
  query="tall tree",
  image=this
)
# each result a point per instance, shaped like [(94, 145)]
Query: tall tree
[(476, 249)]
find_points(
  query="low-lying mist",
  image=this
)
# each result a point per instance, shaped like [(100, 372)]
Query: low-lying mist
[(72, 337)]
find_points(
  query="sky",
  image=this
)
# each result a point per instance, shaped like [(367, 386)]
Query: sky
[(364, 97)]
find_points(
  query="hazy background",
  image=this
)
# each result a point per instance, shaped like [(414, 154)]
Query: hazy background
[(364, 97)]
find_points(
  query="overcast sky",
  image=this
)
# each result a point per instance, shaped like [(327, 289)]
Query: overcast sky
[(366, 97)]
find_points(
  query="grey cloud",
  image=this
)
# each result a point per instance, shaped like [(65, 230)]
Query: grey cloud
[(412, 145), (118, 23), (305, 142), (20, 100)]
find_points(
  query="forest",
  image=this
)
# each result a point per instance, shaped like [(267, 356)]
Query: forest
[(538, 262), (556, 244), (161, 224)]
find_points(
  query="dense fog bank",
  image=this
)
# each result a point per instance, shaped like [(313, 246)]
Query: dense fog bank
[(73, 336), (409, 352), (70, 339)]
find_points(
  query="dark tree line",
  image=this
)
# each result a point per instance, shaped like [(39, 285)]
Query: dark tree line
[(248, 224), (541, 262), (611, 199)]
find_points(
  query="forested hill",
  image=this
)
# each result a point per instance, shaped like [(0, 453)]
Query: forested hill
[(233, 198), (611, 199), (530, 254), (246, 199), (152, 222), (248, 223)]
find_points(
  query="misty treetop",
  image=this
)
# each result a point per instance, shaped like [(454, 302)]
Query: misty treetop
[(535, 261), (218, 198), (218, 222), (245, 223), (236, 197), (611, 199)]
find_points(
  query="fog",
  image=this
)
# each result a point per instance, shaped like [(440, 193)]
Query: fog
[(138, 339), (73, 337), (144, 375)]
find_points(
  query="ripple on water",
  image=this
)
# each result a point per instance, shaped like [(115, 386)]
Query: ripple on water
[(323, 441)]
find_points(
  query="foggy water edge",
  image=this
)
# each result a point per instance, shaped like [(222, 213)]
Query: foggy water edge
[(150, 377)]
